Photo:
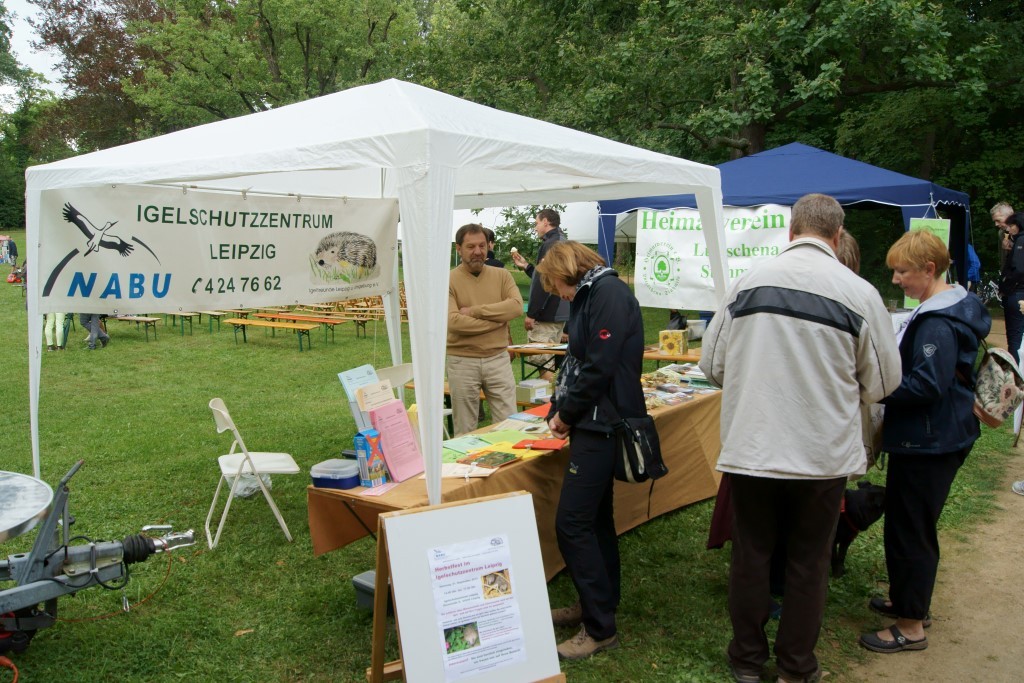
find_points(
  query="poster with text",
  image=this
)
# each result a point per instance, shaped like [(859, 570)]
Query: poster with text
[(672, 265), (477, 607), (134, 249)]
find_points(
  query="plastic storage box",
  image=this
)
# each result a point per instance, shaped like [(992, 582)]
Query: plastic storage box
[(335, 474), (365, 585)]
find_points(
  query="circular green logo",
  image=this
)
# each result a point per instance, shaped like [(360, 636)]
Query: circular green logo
[(660, 268)]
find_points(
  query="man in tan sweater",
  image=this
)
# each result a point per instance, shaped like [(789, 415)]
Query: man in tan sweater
[(481, 301)]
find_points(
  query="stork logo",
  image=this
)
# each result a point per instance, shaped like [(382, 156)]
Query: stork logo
[(98, 239)]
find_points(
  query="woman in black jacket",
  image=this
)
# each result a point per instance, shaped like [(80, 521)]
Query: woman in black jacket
[(604, 358), (928, 432)]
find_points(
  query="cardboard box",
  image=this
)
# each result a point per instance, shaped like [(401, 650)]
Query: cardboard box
[(529, 390), (372, 470), (672, 342)]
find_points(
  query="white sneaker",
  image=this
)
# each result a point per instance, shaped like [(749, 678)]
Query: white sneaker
[(1018, 487)]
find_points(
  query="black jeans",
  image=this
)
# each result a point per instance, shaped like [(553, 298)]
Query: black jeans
[(585, 526), (1014, 321), (802, 513), (916, 488)]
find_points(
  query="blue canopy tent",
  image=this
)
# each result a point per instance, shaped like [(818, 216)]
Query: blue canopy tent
[(784, 174)]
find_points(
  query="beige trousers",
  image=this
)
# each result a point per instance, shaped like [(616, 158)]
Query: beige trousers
[(467, 376)]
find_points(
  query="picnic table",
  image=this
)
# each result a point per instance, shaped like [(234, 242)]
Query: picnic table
[(182, 316), (211, 315), (327, 322)]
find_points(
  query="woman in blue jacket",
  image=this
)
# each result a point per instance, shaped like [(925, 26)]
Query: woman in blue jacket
[(604, 359), (929, 430)]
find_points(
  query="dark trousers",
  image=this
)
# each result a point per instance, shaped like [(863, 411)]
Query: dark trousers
[(802, 513), (1014, 322), (585, 527), (91, 322), (916, 488)]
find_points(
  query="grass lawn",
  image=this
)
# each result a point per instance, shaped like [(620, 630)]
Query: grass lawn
[(261, 609)]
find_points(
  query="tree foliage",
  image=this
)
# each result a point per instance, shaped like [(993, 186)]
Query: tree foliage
[(97, 60), (10, 71), (215, 60), (931, 88)]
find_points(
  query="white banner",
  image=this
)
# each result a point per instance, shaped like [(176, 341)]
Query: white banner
[(672, 265), (133, 249)]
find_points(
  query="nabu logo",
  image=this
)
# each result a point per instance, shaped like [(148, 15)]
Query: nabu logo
[(660, 268), (96, 240)]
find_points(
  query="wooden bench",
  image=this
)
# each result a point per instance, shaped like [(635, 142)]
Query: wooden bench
[(137, 319), (211, 315), (327, 322), (300, 329)]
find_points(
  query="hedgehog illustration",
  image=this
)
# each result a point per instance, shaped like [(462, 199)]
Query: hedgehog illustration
[(340, 248)]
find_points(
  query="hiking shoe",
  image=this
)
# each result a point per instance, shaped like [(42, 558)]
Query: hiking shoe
[(103, 342), (567, 616), (1018, 487), (581, 645)]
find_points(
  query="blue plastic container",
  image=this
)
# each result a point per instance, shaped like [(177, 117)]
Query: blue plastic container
[(335, 474)]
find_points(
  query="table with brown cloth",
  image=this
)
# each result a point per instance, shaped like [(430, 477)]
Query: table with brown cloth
[(690, 443)]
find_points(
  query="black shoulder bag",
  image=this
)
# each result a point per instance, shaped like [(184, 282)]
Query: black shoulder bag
[(637, 447)]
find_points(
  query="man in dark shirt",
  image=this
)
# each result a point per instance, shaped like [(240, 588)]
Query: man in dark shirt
[(545, 313), (491, 259)]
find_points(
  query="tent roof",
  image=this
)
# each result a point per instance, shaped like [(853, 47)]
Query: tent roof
[(784, 174), (348, 143), (393, 140)]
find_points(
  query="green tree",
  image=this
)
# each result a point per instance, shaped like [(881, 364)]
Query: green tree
[(21, 147), (517, 231), (10, 71), (214, 60)]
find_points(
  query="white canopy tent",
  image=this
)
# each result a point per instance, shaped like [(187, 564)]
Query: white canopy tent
[(433, 152)]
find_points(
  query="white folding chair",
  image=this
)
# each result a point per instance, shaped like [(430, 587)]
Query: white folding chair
[(399, 376), (235, 464)]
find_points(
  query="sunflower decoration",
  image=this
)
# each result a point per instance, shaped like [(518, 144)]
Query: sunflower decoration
[(671, 342)]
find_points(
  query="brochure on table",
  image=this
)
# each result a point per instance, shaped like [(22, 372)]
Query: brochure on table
[(351, 381), (401, 450)]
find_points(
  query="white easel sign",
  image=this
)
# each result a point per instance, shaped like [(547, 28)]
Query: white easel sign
[(476, 604), (471, 601)]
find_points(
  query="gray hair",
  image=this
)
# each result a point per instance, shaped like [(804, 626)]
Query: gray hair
[(1001, 209), (817, 214)]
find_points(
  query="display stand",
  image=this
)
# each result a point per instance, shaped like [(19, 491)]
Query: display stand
[(410, 537)]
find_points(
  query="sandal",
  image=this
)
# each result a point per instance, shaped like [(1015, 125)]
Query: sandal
[(884, 607), (899, 643)]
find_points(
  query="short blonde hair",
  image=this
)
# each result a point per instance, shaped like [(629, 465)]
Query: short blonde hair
[(567, 261), (915, 249)]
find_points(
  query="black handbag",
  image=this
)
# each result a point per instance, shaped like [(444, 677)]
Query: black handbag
[(637, 447)]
